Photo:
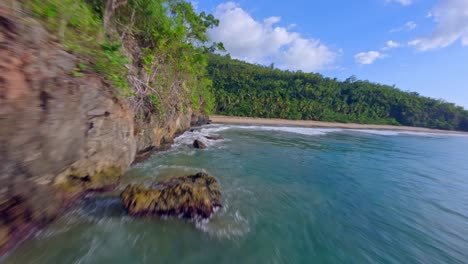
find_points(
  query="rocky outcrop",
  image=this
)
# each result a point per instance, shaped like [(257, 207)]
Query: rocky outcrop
[(198, 144), (157, 133), (61, 136), (195, 196), (214, 137)]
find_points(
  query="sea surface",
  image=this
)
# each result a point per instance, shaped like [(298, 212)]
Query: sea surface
[(290, 195)]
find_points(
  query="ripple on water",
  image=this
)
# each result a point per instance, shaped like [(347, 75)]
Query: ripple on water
[(289, 195)]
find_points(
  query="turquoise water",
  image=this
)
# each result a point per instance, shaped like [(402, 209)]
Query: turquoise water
[(290, 195)]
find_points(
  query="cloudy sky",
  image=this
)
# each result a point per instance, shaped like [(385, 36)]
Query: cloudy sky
[(417, 45)]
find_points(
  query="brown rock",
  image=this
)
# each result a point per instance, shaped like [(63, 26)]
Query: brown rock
[(60, 136), (3, 235), (214, 137), (194, 196), (158, 132), (199, 144)]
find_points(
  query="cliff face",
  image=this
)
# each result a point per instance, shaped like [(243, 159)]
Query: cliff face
[(61, 136), (158, 133)]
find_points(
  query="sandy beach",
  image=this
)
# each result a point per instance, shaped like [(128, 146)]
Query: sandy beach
[(218, 119)]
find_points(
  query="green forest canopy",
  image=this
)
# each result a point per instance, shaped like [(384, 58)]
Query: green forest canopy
[(165, 40), (174, 46), (243, 89)]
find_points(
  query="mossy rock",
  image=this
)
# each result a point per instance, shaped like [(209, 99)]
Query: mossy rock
[(77, 182), (194, 196)]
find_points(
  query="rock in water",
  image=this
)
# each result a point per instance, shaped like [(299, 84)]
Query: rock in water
[(214, 137), (194, 196), (199, 144)]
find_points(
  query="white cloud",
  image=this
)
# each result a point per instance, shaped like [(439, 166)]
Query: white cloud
[(408, 26), (402, 2), (195, 4), (262, 42), (369, 57), (271, 21), (465, 41), (451, 17), (391, 45), (306, 54)]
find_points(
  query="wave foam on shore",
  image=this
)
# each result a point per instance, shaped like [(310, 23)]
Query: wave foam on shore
[(188, 137)]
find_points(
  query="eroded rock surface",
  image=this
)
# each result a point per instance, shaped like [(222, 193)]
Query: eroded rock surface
[(194, 196), (63, 136), (60, 136), (198, 144)]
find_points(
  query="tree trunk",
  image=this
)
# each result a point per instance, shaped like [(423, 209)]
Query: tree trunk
[(111, 6)]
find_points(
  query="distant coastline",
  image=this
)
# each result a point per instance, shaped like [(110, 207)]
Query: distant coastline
[(218, 119)]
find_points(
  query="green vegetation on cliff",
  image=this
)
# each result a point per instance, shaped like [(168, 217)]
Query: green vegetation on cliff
[(243, 89), (80, 30), (154, 51)]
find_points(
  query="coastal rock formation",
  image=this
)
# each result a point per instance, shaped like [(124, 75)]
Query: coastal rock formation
[(199, 144), (214, 137), (157, 133), (194, 196), (62, 135)]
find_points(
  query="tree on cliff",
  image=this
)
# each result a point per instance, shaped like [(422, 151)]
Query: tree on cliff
[(154, 51), (110, 7), (173, 54)]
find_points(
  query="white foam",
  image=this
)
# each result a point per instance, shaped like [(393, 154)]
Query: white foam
[(311, 131), (376, 132), (297, 130), (225, 225), (187, 138), (301, 130), (403, 133)]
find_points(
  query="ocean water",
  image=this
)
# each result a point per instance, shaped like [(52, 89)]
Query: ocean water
[(290, 195)]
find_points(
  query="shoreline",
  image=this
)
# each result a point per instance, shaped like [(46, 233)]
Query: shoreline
[(235, 120)]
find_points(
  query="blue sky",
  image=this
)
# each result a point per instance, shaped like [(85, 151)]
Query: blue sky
[(417, 45)]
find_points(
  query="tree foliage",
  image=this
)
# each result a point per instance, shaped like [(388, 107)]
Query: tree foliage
[(174, 54), (244, 89), (154, 51)]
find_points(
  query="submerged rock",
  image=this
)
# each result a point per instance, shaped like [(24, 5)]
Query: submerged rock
[(214, 137), (199, 144), (194, 196)]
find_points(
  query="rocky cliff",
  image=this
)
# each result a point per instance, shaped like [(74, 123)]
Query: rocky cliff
[(61, 136)]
